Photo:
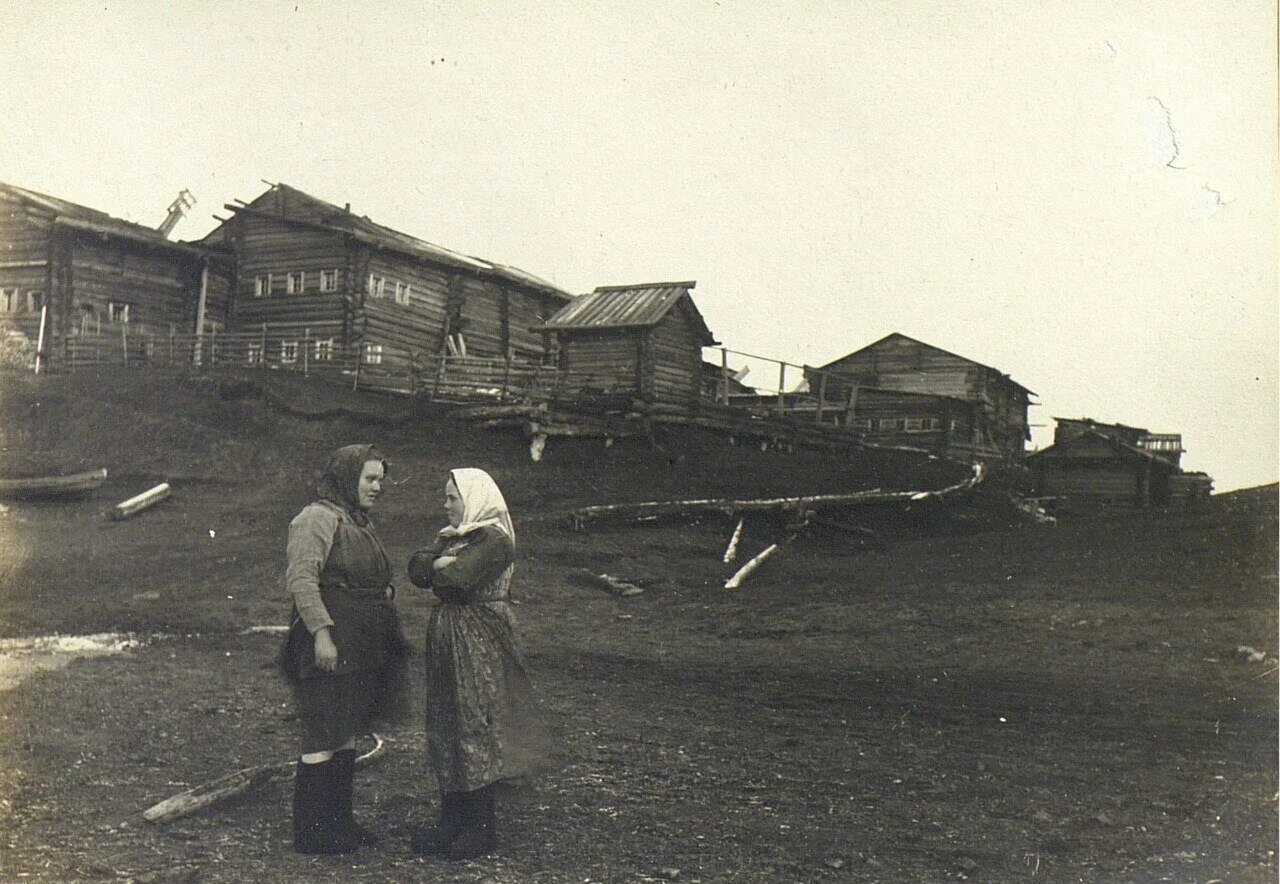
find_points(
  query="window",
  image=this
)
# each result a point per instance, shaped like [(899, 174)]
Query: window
[(324, 350), (402, 293), (296, 282), (328, 280), (888, 423), (262, 285), (254, 354), (862, 423), (7, 297), (35, 300), (377, 286), (373, 354), (288, 351), (117, 312)]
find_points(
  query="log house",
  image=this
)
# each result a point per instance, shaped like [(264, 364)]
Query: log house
[(996, 426), (96, 272), (311, 270)]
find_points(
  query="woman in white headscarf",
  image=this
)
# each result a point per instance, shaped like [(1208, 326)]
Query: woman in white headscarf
[(481, 723)]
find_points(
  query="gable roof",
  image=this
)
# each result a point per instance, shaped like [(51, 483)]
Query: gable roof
[(289, 204), (78, 217), (628, 306), (899, 335)]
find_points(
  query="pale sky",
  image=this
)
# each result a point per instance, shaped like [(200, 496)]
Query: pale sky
[(1081, 194)]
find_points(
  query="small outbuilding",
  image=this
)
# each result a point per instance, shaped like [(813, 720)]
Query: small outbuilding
[(637, 343)]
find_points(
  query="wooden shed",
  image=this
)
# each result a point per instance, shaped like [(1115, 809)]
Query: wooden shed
[(311, 270), (97, 274), (1093, 465), (633, 342), (996, 429)]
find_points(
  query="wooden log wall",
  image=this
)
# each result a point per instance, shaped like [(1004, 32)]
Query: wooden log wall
[(25, 253), (674, 369), (160, 287), (605, 361), (417, 326)]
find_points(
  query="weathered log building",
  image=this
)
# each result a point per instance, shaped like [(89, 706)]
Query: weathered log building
[(97, 272), (308, 270), (639, 343), (1092, 465), (903, 388)]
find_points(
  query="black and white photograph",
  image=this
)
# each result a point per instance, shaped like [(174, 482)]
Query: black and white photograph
[(679, 441)]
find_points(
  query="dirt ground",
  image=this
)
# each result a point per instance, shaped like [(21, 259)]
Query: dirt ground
[(977, 698)]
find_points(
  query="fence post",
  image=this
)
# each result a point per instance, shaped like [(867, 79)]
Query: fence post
[(822, 397), (506, 374), (724, 376), (355, 380), (435, 393), (851, 406), (171, 343), (213, 346), (782, 385), (306, 346), (124, 342)]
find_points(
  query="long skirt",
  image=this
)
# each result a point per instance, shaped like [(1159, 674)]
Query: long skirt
[(482, 722), (370, 684)]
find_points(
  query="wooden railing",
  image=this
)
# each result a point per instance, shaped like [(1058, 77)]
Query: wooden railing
[(832, 402), (377, 367)]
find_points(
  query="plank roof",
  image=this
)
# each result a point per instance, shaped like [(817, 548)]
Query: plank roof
[(628, 306), (304, 209), (75, 216), (899, 335)]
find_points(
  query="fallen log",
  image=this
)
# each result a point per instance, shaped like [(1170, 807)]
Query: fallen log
[(237, 783), (49, 486), (138, 503), (613, 585), (652, 509), (731, 551), (745, 571)]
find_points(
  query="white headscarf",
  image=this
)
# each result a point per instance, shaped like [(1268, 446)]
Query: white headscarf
[(482, 504)]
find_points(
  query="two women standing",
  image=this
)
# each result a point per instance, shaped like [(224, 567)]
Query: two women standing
[(345, 656)]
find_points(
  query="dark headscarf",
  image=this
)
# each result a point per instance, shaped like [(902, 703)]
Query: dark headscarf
[(340, 483)]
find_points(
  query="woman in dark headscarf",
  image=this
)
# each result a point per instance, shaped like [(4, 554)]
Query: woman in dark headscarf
[(345, 653), (482, 726)]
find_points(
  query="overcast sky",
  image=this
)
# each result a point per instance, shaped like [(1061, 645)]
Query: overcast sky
[(1081, 194)]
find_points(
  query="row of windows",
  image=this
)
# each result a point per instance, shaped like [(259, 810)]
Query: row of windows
[(906, 424), (321, 351), (18, 301), (296, 282)]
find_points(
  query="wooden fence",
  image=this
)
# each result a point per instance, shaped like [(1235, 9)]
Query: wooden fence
[(377, 367)]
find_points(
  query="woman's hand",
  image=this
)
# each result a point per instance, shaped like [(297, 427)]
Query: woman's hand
[(326, 650), (443, 561)]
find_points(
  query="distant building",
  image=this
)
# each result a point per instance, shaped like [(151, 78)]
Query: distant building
[(311, 273), (1092, 464), (97, 273), (907, 392), (635, 343)]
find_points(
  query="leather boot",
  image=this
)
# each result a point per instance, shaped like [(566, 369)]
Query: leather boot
[(436, 839), (479, 836), (313, 801), (344, 765)]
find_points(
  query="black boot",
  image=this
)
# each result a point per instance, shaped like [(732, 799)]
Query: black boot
[(479, 836), (313, 803), (436, 839), (344, 765)]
